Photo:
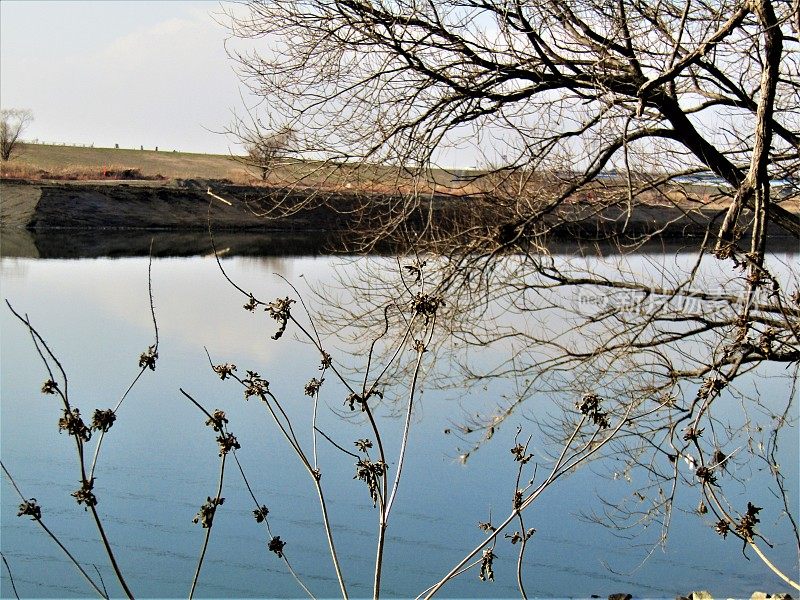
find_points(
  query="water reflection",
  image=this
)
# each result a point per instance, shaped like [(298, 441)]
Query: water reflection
[(160, 462), (89, 243)]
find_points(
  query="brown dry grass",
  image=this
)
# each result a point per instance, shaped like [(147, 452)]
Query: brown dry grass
[(18, 171), (40, 161), (48, 162)]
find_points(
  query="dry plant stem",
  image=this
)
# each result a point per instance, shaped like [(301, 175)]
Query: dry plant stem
[(407, 424), (37, 341), (141, 371), (196, 403), (10, 576), (315, 478), (85, 480), (318, 343), (288, 430), (385, 510), (523, 532), (719, 510), (321, 350), (384, 498), (772, 567), (315, 405), (459, 568), (314, 339), (461, 572), (379, 440), (73, 560), (523, 543), (208, 530), (376, 586), (312, 470), (109, 551), (329, 536), (53, 537), (404, 439), (98, 522), (711, 494), (778, 476), (335, 445), (400, 346), (103, 583), (371, 352), (269, 529), (561, 466), (102, 435)]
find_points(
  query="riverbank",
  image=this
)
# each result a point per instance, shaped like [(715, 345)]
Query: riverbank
[(104, 216)]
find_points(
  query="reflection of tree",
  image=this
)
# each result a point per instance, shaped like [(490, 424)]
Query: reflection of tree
[(677, 348), (269, 264)]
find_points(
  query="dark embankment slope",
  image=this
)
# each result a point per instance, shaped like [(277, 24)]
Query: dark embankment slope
[(107, 218), (147, 205)]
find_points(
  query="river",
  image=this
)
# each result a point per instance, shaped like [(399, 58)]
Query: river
[(159, 462)]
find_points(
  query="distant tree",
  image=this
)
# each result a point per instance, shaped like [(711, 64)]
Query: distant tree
[(265, 145), (12, 123), (264, 151)]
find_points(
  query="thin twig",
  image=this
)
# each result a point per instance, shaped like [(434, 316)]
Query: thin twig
[(523, 542), (39, 340), (329, 535), (102, 582), (86, 482), (327, 437), (141, 370), (196, 403), (10, 576), (461, 572), (315, 476), (269, 529), (53, 537), (210, 527), (109, 551), (406, 427), (772, 567), (559, 469)]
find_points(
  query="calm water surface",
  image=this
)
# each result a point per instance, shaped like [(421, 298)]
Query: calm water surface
[(160, 462)]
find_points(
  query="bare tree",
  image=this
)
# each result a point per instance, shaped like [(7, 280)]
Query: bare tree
[(12, 123), (586, 112), (264, 152), (572, 89), (265, 145)]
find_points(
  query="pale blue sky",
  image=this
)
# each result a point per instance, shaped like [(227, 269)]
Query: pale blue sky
[(132, 73), (149, 73)]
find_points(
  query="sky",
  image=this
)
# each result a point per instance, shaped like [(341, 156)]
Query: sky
[(135, 73), (143, 73)]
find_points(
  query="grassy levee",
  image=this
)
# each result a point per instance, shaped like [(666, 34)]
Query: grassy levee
[(53, 162), (87, 163)]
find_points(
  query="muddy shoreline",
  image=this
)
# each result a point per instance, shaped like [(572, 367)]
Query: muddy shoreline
[(116, 218)]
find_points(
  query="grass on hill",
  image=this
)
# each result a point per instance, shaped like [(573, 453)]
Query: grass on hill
[(53, 162), (40, 161)]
